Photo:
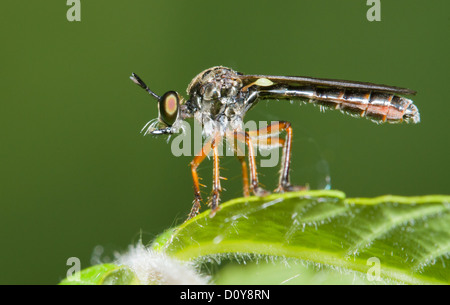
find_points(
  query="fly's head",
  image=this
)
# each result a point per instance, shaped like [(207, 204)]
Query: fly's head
[(170, 111)]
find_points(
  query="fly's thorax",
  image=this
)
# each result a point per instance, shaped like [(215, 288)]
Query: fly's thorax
[(215, 99), (215, 82), (213, 88)]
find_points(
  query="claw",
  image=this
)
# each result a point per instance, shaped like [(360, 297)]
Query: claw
[(213, 202), (213, 211), (195, 208), (260, 192), (291, 188)]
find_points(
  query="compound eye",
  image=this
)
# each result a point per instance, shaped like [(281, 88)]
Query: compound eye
[(168, 107)]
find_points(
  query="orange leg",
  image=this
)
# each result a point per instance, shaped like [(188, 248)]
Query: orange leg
[(240, 155), (257, 190), (245, 182), (284, 184), (270, 142), (194, 165), (206, 149), (215, 196)]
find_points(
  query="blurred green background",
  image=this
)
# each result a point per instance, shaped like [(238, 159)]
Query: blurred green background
[(79, 180)]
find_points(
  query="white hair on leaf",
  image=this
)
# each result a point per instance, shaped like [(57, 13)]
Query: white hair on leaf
[(157, 268)]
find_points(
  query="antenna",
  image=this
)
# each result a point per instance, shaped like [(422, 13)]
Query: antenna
[(136, 79)]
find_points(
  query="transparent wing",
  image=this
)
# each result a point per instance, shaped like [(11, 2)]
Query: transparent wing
[(322, 82)]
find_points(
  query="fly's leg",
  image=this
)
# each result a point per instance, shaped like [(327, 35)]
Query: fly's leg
[(215, 196), (270, 132), (194, 165), (257, 190), (284, 183), (246, 186), (240, 155)]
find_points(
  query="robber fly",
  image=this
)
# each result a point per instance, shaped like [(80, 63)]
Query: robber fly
[(220, 97)]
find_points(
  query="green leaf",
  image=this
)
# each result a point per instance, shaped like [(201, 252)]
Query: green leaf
[(407, 239), (282, 272), (106, 274)]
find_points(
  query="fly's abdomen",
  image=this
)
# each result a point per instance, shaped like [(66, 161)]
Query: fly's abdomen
[(375, 105)]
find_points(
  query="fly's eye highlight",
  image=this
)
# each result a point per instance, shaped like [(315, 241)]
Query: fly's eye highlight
[(168, 107)]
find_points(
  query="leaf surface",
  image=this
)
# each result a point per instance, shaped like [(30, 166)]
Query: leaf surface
[(406, 238)]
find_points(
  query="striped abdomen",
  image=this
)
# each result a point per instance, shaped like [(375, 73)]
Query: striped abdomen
[(376, 105)]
